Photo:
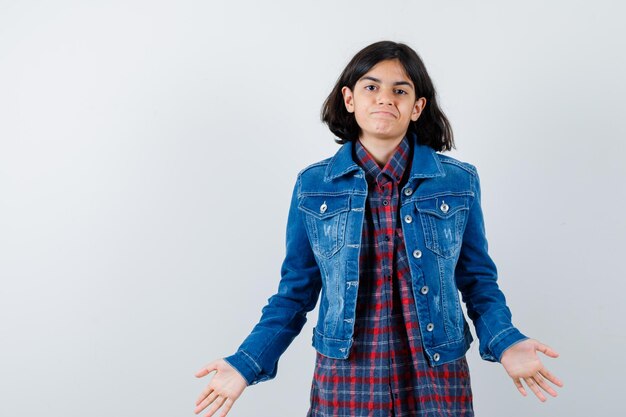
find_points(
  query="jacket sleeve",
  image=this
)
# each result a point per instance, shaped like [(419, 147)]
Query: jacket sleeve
[(284, 315), (476, 277)]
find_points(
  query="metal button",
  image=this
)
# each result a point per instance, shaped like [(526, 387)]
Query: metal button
[(408, 191), (323, 207), (430, 327), (408, 218), (417, 253), (444, 207), (385, 202), (436, 357), (424, 289)]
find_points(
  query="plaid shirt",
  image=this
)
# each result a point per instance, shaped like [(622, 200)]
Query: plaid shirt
[(386, 373)]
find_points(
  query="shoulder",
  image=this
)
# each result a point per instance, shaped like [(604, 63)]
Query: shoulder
[(452, 164), (315, 168), (312, 175), (461, 170)]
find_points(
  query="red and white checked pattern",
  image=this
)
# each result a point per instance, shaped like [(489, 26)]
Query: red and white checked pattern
[(387, 373)]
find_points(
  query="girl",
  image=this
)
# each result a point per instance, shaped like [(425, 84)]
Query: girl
[(389, 231)]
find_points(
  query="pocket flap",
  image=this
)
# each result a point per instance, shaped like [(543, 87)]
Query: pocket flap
[(323, 206), (443, 206)]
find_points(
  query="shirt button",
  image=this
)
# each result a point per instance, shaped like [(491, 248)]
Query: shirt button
[(417, 253), (385, 202), (408, 218), (430, 327), (408, 191), (424, 289), (436, 357), (387, 238)]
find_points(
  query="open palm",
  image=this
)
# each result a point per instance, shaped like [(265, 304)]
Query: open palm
[(223, 390), (521, 362)]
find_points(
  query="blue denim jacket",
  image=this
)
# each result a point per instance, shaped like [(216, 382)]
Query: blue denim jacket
[(445, 240)]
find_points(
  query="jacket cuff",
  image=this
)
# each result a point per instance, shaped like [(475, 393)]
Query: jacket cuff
[(505, 340), (244, 365)]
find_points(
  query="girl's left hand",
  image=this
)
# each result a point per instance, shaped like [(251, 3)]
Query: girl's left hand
[(521, 362)]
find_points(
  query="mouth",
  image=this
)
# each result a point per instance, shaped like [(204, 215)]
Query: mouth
[(385, 113)]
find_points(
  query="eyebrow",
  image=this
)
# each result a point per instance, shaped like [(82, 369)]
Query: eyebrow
[(376, 80)]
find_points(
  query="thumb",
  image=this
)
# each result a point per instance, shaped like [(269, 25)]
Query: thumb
[(210, 367), (547, 350)]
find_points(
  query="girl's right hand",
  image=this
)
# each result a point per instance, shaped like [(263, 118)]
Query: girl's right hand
[(224, 388)]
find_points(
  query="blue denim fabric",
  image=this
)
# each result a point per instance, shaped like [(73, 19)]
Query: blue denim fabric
[(444, 233)]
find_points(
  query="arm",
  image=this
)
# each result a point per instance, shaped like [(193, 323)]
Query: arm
[(500, 341), (284, 315), (281, 321), (476, 277)]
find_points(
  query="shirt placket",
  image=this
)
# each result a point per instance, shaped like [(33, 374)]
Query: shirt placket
[(386, 224)]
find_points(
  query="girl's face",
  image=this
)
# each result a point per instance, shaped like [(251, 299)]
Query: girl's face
[(384, 102)]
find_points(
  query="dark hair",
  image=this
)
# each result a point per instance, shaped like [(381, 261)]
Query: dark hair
[(432, 127)]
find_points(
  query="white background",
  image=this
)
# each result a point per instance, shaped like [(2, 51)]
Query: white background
[(148, 150)]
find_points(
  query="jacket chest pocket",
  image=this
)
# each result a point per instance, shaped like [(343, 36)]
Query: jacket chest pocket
[(325, 217), (443, 220)]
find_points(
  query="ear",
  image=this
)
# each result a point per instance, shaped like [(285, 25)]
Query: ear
[(420, 103), (348, 99)]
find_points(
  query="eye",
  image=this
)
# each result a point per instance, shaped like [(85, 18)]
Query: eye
[(367, 87), (402, 91)]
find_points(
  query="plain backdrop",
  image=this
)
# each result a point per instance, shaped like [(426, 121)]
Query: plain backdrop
[(148, 151)]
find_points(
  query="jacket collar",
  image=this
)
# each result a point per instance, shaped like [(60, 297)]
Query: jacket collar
[(425, 162)]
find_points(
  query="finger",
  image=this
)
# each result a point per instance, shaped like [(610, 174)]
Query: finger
[(207, 401), (535, 388), (207, 369), (226, 408), (204, 394), (544, 385), (547, 350), (215, 406), (550, 377), (520, 387)]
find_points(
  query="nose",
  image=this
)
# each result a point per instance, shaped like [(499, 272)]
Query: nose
[(384, 97)]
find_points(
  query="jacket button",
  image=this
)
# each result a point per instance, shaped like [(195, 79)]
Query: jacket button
[(436, 357), (408, 191), (424, 289), (323, 207), (417, 253), (408, 218), (444, 207), (430, 327)]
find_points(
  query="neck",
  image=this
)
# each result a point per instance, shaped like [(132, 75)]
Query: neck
[(381, 149)]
